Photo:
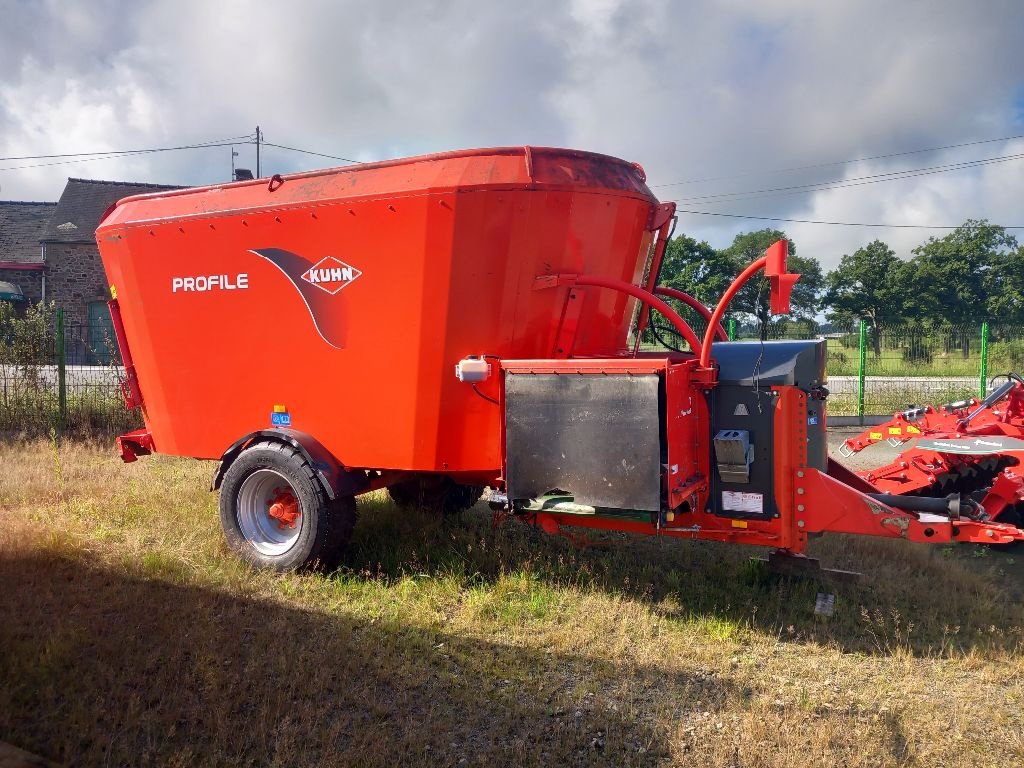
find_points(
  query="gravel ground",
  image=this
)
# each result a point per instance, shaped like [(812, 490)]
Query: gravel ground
[(876, 456)]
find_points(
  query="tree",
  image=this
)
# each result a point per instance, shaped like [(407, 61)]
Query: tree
[(869, 283), (1006, 287), (753, 299), (699, 270), (958, 277), (696, 268), (704, 272)]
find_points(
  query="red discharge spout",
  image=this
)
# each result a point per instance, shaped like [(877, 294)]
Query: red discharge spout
[(782, 282)]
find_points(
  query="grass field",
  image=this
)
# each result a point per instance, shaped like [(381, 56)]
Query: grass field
[(129, 636)]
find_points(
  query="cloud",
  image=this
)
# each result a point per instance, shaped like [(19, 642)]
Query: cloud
[(691, 90), (992, 191)]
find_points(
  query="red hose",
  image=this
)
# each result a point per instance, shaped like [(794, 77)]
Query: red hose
[(688, 300), (723, 303), (666, 309)]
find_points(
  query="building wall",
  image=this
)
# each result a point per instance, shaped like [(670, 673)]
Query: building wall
[(74, 278), (30, 281)]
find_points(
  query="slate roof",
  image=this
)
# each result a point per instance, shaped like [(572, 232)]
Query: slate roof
[(82, 204), (21, 227)]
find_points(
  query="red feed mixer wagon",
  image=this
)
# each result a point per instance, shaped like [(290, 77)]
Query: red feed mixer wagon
[(438, 324)]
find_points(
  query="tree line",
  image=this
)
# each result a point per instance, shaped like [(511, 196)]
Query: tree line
[(974, 273)]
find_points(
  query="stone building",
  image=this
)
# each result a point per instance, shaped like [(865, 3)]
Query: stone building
[(48, 253), (73, 275), (21, 256)]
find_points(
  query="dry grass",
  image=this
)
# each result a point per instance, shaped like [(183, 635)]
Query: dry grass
[(129, 636)]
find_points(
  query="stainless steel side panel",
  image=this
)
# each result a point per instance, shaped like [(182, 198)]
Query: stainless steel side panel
[(596, 436)]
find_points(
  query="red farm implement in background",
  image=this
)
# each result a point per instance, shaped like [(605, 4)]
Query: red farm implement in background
[(438, 324), (967, 449)]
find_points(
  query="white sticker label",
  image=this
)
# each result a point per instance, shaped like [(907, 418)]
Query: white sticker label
[(737, 501)]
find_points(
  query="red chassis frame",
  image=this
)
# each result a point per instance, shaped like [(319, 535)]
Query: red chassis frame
[(809, 501)]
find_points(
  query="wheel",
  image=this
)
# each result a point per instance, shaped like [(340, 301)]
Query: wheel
[(435, 492), (276, 514)]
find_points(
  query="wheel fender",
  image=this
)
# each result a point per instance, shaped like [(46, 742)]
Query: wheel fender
[(336, 480)]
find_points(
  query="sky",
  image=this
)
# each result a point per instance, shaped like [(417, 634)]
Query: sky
[(720, 95)]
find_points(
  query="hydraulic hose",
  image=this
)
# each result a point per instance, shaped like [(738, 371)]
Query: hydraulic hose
[(993, 398), (952, 506), (692, 303)]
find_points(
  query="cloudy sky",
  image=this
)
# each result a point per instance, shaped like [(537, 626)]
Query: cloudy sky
[(720, 95)]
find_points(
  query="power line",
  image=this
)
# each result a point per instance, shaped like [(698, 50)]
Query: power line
[(835, 223), (129, 153), (793, 169), (309, 152), (211, 142), (856, 181)]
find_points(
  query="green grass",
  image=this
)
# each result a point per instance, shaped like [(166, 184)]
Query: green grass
[(131, 636), (891, 364), (886, 399)]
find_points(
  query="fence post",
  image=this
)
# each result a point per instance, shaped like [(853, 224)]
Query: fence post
[(862, 364), (983, 382), (62, 391), (731, 330)]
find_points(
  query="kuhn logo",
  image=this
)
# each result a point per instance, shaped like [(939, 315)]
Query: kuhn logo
[(317, 284), (331, 275)]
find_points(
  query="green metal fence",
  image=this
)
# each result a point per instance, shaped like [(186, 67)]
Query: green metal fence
[(898, 366), (56, 374), (876, 371), (60, 375)]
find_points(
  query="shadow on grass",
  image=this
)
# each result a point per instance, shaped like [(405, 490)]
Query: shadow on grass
[(921, 599), (99, 667)]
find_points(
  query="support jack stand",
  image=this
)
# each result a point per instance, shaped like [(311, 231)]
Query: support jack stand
[(800, 566)]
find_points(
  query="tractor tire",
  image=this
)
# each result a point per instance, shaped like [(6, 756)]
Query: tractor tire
[(435, 492), (276, 515)]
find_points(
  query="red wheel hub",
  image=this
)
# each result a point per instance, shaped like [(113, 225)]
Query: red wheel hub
[(284, 508)]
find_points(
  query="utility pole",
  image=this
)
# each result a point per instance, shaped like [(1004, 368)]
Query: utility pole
[(259, 136), (233, 156)]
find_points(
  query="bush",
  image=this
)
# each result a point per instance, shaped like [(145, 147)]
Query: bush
[(1006, 356), (917, 351), (29, 398), (27, 402)]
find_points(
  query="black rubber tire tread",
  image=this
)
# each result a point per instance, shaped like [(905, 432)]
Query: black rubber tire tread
[(326, 525), (435, 492)]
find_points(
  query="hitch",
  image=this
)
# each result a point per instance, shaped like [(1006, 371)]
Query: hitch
[(134, 444)]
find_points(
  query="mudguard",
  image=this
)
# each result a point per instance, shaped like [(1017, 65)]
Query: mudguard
[(336, 480)]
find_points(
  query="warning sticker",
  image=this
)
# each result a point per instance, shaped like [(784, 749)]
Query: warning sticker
[(737, 501)]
